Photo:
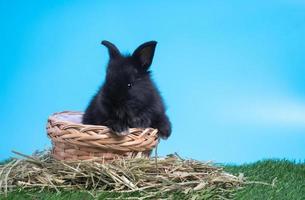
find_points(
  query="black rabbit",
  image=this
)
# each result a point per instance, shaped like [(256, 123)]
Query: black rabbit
[(128, 97)]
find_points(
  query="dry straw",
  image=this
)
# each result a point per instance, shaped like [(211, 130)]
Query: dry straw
[(173, 174)]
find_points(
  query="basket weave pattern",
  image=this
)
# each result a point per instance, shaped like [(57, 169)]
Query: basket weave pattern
[(76, 141)]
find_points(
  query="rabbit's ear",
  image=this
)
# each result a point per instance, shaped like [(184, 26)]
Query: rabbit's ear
[(145, 53), (112, 49)]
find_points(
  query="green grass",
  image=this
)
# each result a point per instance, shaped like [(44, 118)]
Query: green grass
[(289, 184), (289, 180)]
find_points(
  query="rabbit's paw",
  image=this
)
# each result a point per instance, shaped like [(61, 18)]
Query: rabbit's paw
[(165, 131), (119, 129)]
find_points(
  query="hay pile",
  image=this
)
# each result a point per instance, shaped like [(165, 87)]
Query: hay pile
[(148, 176)]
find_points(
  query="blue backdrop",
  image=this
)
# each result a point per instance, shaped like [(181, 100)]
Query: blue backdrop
[(231, 72)]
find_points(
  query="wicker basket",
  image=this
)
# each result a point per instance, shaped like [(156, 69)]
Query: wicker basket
[(72, 140)]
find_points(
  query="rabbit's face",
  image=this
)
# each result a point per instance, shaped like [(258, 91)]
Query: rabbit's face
[(125, 74), (122, 75)]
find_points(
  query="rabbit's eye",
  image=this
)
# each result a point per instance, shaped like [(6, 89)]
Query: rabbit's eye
[(129, 85)]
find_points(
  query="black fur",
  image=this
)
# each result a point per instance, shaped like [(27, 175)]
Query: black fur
[(128, 97)]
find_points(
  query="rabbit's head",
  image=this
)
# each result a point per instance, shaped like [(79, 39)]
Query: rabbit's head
[(128, 75)]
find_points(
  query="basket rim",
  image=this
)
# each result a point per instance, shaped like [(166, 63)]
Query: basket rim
[(53, 120)]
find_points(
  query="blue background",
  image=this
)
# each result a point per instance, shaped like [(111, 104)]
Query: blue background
[(231, 72)]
